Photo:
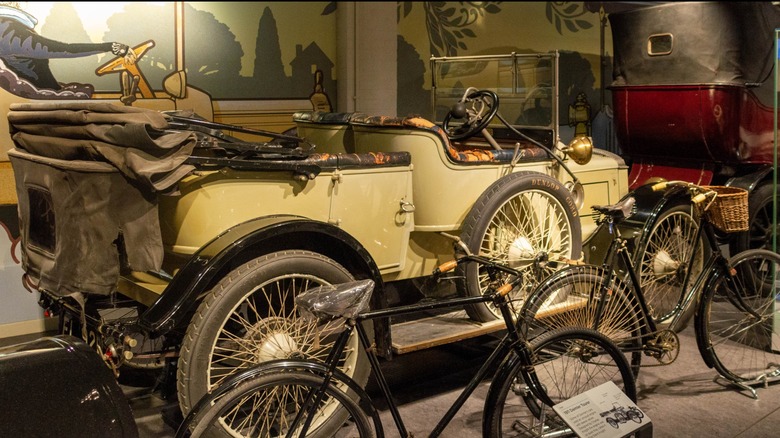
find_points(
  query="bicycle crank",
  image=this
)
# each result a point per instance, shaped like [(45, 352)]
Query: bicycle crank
[(665, 347)]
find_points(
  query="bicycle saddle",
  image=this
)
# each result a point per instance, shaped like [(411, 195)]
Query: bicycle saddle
[(334, 301), (617, 212)]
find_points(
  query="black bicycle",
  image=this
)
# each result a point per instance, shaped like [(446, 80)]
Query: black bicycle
[(737, 319), (297, 397)]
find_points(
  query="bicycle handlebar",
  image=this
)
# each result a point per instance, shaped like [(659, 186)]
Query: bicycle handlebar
[(698, 198), (502, 290)]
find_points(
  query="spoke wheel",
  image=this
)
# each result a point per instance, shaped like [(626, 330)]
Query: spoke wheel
[(572, 297), (739, 325), (267, 405), (523, 220), (761, 225), (664, 259), (250, 318), (567, 362)]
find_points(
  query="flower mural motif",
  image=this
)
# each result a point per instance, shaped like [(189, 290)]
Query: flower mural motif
[(448, 23), (567, 14)]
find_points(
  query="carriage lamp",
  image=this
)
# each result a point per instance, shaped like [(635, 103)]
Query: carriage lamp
[(579, 115)]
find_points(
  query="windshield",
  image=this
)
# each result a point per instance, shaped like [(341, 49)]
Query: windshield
[(525, 85)]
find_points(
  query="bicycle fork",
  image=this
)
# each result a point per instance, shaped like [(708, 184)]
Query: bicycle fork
[(315, 397)]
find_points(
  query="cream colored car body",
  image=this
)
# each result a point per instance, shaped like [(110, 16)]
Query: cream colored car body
[(396, 213)]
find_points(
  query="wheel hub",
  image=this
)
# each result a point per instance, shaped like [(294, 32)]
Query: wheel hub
[(664, 265), (276, 346), (272, 340), (521, 250)]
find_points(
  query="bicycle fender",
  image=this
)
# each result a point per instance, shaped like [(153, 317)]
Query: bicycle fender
[(281, 366), (701, 311)]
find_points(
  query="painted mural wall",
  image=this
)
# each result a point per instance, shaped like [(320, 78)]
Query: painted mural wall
[(576, 29), (233, 50), (137, 53)]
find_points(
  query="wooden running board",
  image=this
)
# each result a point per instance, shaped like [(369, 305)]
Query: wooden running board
[(439, 330)]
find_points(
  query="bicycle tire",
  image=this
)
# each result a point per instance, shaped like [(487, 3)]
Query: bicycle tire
[(263, 406), (662, 261), (571, 298), (741, 347), (567, 361)]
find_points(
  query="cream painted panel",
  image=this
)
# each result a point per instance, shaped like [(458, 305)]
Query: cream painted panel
[(210, 204), (368, 205)]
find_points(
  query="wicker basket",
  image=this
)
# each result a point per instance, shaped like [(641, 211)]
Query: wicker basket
[(729, 212)]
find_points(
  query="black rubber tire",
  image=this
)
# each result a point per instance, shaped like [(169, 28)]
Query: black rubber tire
[(565, 299), (596, 360), (661, 261), (248, 289), (741, 347), (760, 222), (499, 226), (258, 402)]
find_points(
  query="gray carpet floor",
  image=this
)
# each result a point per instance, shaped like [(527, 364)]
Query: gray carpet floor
[(683, 399)]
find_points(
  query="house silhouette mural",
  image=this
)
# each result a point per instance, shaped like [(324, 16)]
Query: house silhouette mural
[(305, 63)]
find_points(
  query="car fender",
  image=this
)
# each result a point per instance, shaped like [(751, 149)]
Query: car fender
[(751, 180), (59, 386), (248, 240)]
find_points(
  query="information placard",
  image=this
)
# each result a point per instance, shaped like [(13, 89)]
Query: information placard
[(602, 412)]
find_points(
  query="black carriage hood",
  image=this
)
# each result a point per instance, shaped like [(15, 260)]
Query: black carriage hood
[(136, 141), (728, 43)]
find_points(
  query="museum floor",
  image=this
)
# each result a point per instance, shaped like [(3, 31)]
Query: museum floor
[(681, 399)]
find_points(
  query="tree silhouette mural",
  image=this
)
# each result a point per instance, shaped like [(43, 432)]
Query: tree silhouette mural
[(269, 71)]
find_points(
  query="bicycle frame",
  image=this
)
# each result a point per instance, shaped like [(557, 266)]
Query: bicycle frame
[(511, 341), (715, 261)]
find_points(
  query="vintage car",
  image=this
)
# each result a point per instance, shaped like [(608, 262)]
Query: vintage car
[(165, 241), (697, 101)]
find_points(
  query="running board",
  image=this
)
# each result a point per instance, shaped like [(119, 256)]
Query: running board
[(438, 330)]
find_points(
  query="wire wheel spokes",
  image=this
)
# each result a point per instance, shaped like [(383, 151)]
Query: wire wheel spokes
[(265, 326), (741, 321), (527, 231), (667, 258)]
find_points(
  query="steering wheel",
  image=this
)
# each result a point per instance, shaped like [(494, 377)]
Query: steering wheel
[(478, 107)]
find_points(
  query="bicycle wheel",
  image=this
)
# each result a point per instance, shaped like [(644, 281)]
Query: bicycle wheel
[(738, 324), (567, 361), (266, 406), (572, 297), (663, 259)]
